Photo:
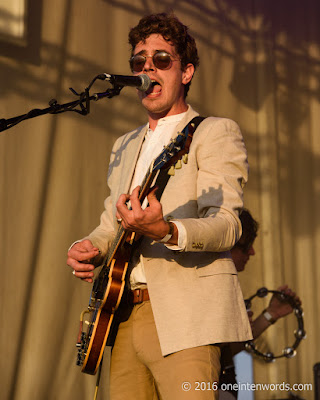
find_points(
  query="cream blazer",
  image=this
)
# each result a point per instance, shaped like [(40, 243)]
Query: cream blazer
[(195, 294)]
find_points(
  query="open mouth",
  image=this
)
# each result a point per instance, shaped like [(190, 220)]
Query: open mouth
[(155, 87)]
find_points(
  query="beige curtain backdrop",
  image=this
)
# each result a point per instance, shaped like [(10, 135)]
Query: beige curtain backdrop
[(260, 65)]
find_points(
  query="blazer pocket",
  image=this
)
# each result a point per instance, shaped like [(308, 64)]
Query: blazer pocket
[(218, 267)]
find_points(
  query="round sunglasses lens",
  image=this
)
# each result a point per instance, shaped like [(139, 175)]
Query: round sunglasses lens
[(162, 60), (137, 63)]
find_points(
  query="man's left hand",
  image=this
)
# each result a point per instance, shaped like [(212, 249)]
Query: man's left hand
[(149, 221), (279, 308)]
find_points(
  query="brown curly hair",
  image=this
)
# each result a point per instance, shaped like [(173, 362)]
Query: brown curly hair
[(249, 230), (173, 31)]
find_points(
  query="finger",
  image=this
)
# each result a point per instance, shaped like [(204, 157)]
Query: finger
[(83, 249), (136, 190), (153, 191), (123, 198), (89, 280), (82, 256), (79, 266), (84, 245), (88, 246), (73, 263), (122, 209), (152, 198), (289, 293), (154, 203), (134, 199), (282, 288), (86, 276)]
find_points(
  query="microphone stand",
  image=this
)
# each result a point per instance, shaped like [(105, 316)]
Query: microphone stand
[(56, 108)]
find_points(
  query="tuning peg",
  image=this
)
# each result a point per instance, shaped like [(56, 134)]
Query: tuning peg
[(178, 165), (171, 171), (185, 158)]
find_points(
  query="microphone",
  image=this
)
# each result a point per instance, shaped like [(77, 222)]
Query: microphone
[(141, 82)]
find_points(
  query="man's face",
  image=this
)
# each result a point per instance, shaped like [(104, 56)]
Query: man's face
[(166, 95), (240, 254)]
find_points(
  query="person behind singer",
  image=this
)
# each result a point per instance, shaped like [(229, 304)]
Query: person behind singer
[(277, 308), (186, 295)]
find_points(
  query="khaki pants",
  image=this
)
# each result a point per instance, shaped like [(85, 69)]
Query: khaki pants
[(140, 372)]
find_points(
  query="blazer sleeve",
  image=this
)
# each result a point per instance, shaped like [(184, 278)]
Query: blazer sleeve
[(103, 235), (221, 160)]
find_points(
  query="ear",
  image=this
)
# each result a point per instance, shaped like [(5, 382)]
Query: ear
[(187, 73)]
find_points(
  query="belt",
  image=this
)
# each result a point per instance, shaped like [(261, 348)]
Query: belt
[(140, 295)]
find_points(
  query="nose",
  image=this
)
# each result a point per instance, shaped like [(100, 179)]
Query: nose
[(251, 251), (148, 65)]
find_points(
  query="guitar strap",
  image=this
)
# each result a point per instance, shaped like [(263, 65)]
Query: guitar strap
[(188, 131)]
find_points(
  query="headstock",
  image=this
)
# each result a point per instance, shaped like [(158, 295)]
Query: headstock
[(172, 155)]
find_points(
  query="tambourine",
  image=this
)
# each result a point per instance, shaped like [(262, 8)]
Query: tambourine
[(299, 334)]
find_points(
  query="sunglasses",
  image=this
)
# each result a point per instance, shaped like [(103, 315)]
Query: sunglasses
[(161, 60)]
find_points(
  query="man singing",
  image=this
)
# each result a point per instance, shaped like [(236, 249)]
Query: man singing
[(185, 290)]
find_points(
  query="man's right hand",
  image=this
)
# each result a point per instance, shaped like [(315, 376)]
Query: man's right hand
[(80, 257)]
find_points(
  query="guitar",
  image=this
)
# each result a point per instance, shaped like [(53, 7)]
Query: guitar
[(109, 285)]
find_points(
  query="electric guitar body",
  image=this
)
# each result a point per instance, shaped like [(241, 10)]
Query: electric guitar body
[(102, 306)]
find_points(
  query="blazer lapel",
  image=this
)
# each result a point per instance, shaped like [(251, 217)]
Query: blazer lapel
[(129, 163)]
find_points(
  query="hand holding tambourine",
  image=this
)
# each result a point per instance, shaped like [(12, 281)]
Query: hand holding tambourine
[(283, 302)]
